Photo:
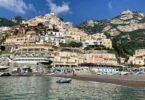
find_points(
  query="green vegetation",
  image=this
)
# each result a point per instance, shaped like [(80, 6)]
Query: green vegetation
[(101, 47), (97, 28), (7, 22), (126, 43), (72, 44), (95, 47), (18, 19), (75, 44), (2, 48)]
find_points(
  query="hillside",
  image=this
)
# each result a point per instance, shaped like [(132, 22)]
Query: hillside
[(50, 20), (127, 31), (11, 22), (127, 21)]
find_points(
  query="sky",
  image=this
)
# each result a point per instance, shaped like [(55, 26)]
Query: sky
[(75, 11)]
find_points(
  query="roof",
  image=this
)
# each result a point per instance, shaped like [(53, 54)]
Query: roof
[(3, 67), (96, 65)]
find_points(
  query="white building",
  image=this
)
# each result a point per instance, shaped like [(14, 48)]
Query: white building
[(4, 29), (56, 34), (92, 42), (98, 39)]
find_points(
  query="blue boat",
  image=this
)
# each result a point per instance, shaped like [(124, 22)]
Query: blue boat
[(64, 80)]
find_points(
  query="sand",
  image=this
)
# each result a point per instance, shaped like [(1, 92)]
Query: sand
[(130, 81)]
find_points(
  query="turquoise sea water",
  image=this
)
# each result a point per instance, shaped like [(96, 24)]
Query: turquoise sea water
[(46, 88)]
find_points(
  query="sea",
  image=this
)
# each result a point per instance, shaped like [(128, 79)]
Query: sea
[(46, 88)]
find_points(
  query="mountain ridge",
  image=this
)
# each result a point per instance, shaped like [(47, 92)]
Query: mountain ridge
[(127, 31), (128, 19), (11, 22)]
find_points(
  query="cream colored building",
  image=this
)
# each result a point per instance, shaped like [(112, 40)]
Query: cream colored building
[(139, 52), (74, 37), (77, 34), (66, 58), (4, 29), (107, 43), (101, 58), (32, 49), (14, 40), (98, 39), (138, 58)]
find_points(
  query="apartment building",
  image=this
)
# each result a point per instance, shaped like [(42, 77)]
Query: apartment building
[(68, 58), (138, 58), (98, 39), (101, 58), (32, 49)]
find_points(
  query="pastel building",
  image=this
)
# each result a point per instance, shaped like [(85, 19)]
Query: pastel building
[(68, 58), (98, 39), (4, 29), (21, 39), (138, 58), (74, 37), (32, 49), (52, 37), (101, 58), (139, 52), (56, 34)]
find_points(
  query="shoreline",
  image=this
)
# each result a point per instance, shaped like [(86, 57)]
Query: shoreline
[(130, 81)]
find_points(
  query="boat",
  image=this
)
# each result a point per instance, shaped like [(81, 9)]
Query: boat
[(4, 71), (64, 80), (125, 73)]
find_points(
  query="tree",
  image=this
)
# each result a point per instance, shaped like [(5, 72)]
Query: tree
[(2, 48), (75, 44), (72, 44), (40, 25)]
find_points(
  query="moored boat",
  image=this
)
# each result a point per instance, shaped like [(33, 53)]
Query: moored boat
[(64, 80)]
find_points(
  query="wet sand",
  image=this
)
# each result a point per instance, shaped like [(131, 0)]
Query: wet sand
[(130, 81)]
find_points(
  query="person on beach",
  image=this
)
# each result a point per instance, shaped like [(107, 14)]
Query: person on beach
[(74, 73)]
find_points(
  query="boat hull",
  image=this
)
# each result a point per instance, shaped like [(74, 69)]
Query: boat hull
[(64, 81)]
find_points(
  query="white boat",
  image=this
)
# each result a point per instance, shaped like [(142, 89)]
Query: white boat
[(32, 60)]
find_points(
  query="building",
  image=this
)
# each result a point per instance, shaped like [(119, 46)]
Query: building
[(139, 52), (76, 38), (101, 58), (77, 34), (136, 61), (67, 57), (21, 39), (98, 39), (32, 49), (4, 29), (138, 58)]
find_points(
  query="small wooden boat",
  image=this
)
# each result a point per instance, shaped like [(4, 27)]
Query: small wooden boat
[(64, 80)]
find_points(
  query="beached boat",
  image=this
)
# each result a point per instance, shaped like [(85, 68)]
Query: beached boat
[(64, 80), (125, 73), (4, 71)]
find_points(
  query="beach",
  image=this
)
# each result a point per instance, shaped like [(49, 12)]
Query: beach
[(130, 81)]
